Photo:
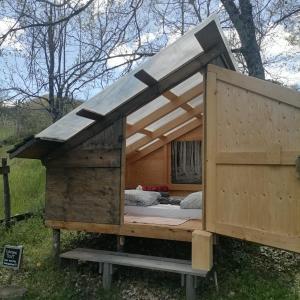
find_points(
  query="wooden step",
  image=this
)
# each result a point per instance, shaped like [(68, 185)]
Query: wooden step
[(134, 260)]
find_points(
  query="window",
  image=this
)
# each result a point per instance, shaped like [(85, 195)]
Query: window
[(186, 165)]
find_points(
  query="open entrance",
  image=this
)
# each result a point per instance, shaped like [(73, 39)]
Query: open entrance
[(164, 157)]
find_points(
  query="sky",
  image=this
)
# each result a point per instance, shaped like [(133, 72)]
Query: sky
[(286, 69)]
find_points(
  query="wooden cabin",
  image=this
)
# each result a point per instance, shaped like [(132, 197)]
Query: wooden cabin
[(243, 134)]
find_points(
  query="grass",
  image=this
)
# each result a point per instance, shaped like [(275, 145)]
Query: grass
[(245, 271), (6, 133), (27, 185)]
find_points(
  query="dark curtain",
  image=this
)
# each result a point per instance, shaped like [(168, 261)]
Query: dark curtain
[(186, 162)]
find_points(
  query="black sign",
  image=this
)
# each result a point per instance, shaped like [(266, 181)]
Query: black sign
[(12, 256)]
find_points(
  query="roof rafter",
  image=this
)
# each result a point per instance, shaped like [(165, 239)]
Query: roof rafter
[(172, 97), (166, 139), (159, 133), (186, 70), (165, 109)]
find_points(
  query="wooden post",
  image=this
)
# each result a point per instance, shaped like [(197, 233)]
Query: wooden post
[(56, 244), (4, 170), (120, 243), (107, 276), (190, 290), (202, 250)]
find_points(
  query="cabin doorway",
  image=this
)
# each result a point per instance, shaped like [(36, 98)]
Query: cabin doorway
[(164, 160)]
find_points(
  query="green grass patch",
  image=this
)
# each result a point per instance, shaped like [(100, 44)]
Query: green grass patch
[(6, 132), (27, 185), (245, 271)]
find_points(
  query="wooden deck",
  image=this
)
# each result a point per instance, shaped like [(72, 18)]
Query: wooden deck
[(182, 232)]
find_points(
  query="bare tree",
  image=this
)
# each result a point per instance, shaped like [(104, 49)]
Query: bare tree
[(247, 22), (243, 21), (72, 54)]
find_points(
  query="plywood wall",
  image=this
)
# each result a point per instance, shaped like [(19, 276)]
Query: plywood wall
[(154, 169), (85, 184), (252, 142)]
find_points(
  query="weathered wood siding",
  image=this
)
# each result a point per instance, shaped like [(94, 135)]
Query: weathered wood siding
[(85, 185), (252, 141)]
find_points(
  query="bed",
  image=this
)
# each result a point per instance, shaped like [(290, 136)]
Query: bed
[(163, 210)]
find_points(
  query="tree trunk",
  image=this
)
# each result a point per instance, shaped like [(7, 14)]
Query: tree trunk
[(243, 22)]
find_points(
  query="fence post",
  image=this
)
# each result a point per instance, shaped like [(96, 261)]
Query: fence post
[(4, 170)]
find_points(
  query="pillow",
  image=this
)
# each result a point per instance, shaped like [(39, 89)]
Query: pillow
[(141, 198), (193, 200), (156, 188)]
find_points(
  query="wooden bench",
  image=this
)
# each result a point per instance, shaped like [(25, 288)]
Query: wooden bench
[(107, 259)]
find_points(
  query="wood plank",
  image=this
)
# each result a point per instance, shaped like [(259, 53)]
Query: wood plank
[(291, 243), (186, 107), (202, 250), (181, 232), (146, 78), (164, 129), (88, 159), (83, 194), (210, 144), (203, 153), (171, 96), (133, 260), (275, 157), (146, 132), (289, 157), (185, 187), (258, 86), (123, 173), (89, 114), (271, 157), (164, 110), (257, 143), (169, 138)]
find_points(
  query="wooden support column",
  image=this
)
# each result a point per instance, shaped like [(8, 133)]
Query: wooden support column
[(4, 170), (190, 287), (202, 250), (56, 244), (106, 275), (120, 243)]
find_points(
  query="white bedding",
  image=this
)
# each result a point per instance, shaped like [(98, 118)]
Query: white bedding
[(163, 210)]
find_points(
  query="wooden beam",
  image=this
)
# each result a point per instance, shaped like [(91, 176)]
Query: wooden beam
[(146, 132), (181, 232), (165, 109), (89, 114), (186, 107), (146, 78), (168, 82), (158, 133), (167, 139), (172, 97), (202, 250)]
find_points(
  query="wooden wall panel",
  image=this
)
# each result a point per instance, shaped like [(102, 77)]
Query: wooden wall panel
[(84, 185), (150, 170), (83, 195), (252, 141), (154, 169)]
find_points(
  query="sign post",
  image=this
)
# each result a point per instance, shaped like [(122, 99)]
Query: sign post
[(4, 170), (12, 257)]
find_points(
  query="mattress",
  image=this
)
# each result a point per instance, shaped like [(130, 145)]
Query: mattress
[(163, 210)]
